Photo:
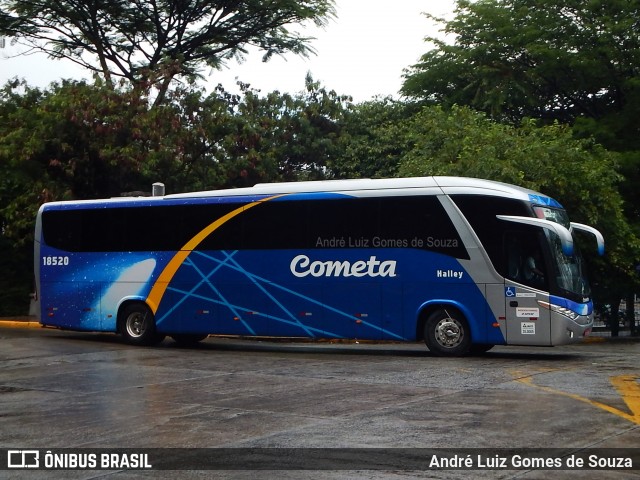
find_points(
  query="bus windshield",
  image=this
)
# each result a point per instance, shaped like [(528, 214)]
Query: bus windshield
[(570, 271), (553, 215)]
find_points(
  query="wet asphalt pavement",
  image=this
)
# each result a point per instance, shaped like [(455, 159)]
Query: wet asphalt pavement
[(75, 390)]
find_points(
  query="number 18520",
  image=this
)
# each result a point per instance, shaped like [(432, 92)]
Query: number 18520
[(55, 261)]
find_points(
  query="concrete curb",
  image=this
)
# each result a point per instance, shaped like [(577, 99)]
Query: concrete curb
[(9, 324), (20, 322)]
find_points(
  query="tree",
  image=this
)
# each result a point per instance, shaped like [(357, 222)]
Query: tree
[(372, 140), (284, 137), (80, 141), (151, 42), (556, 60)]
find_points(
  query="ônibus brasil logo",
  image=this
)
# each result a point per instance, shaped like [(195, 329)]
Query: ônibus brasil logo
[(301, 266)]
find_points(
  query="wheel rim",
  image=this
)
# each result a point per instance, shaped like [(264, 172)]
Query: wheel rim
[(449, 332), (136, 324)]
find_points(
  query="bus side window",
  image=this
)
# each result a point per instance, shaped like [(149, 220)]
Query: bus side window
[(524, 259), (514, 259)]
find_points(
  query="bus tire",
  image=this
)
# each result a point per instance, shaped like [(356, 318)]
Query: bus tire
[(447, 334), (188, 339), (138, 325)]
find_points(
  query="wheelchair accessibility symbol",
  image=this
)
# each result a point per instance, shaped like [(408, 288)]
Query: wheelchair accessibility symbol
[(509, 291)]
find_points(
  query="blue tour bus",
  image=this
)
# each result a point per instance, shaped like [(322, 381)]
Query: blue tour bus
[(463, 264)]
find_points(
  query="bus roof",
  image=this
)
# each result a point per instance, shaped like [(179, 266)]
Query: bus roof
[(390, 185), (433, 185)]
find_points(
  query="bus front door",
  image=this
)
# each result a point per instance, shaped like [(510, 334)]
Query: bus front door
[(526, 280), (527, 322)]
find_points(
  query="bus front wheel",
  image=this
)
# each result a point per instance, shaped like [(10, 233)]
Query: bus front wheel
[(138, 325), (446, 333)]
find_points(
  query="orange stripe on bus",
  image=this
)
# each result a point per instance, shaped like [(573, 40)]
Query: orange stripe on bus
[(160, 286)]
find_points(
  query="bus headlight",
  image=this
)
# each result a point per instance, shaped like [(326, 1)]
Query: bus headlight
[(579, 319)]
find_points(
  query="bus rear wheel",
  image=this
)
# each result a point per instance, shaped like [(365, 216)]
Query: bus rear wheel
[(446, 333), (138, 325)]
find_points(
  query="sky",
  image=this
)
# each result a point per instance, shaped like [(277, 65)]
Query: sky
[(362, 53)]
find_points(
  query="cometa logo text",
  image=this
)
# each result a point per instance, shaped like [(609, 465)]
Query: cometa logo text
[(301, 266)]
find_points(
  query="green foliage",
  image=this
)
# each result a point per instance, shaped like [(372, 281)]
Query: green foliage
[(526, 58), (372, 140), (569, 61), (285, 137), (90, 141)]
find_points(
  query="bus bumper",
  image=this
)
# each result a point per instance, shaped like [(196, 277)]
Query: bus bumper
[(565, 330)]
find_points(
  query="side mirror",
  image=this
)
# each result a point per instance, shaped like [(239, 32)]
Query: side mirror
[(586, 228)]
